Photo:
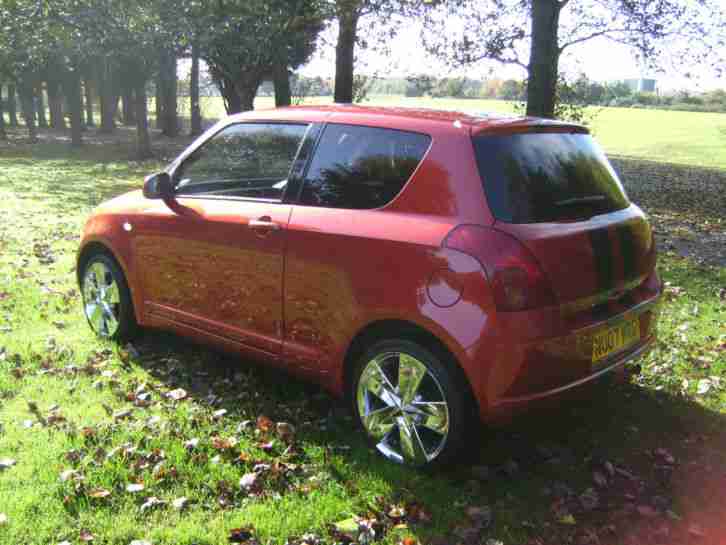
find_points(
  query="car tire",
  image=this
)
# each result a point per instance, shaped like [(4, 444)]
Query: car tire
[(421, 411), (107, 302)]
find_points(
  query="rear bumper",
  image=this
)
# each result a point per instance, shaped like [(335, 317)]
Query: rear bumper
[(529, 372), (610, 365)]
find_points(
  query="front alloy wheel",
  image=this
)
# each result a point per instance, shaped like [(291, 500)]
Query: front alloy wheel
[(106, 299), (406, 403), (101, 299)]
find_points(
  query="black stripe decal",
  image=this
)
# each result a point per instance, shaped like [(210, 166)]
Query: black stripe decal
[(603, 255), (628, 251)]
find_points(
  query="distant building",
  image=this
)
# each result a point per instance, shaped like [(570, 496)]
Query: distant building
[(641, 85)]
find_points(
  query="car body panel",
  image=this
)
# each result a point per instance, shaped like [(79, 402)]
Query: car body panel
[(298, 297)]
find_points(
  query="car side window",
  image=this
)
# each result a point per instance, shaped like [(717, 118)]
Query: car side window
[(242, 160), (361, 167)]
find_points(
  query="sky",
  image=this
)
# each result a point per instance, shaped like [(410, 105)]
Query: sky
[(600, 59)]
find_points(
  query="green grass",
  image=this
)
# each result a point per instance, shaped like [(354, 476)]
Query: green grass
[(49, 357), (693, 138)]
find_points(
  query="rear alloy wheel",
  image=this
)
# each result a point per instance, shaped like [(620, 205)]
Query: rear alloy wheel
[(106, 300), (408, 404)]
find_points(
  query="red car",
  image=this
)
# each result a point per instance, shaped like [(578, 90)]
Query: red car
[(437, 268)]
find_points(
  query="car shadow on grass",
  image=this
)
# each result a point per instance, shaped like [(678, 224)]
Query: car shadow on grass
[(616, 461)]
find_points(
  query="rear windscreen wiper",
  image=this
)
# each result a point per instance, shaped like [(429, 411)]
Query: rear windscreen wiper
[(580, 200)]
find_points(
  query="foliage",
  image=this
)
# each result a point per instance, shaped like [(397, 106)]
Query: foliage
[(674, 34)]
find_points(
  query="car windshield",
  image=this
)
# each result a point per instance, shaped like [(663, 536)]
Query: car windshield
[(545, 177)]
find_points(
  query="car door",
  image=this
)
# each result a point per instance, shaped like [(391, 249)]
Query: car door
[(212, 257), (343, 248)]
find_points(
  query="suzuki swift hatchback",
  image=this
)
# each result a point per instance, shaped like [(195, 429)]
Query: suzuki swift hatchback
[(432, 266)]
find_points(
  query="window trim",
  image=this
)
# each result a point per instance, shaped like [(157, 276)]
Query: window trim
[(177, 163), (323, 128)]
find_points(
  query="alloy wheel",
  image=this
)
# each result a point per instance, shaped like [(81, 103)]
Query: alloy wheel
[(403, 408), (101, 299)]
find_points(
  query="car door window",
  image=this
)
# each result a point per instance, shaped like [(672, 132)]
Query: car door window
[(361, 167), (243, 160)]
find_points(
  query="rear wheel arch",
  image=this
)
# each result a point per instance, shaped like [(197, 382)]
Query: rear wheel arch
[(403, 330)]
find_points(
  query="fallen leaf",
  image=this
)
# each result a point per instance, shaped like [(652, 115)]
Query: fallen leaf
[(99, 493), (704, 385), (6, 463), (396, 512), (180, 503), (69, 474), (240, 535), (248, 480), (151, 502), (224, 443), (285, 431), (178, 394), (264, 424), (134, 487), (85, 535), (121, 415)]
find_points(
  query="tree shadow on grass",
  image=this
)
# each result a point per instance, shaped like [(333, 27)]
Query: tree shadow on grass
[(531, 472)]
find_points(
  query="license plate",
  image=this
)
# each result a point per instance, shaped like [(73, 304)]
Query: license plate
[(615, 338)]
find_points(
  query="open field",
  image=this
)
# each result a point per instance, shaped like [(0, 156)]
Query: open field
[(84, 424), (692, 138)]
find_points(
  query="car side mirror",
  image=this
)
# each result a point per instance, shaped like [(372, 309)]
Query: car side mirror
[(158, 186)]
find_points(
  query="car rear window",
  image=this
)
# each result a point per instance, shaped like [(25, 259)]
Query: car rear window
[(544, 177), (361, 167)]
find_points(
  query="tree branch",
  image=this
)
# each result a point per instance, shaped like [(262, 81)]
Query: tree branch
[(592, 35)]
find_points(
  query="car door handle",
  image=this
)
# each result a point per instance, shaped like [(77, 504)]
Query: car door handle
[(264, 223)]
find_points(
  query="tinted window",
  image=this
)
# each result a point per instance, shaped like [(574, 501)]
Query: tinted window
[(542, 177), (361, 167), (242, 160)]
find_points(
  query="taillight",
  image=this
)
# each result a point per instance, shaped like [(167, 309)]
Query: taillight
[(517, 280)]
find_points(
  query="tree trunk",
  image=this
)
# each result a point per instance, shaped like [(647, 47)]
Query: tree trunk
[(170, 123), (88, 100), (159, 102), (72, 89), (3, 136), (196, 111), (143, 142), (544, 59), (40, 107), (12, 106), (345, 54), (55, 104), (108, 97), (281, 78), (232, 100), (246, 86), (128, 106), (247, 98), (28, 106)]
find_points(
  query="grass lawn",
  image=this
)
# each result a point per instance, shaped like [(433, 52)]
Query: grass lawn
[(692, 138), (93, 445)]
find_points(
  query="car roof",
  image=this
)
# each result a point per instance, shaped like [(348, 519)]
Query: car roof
[(406, 118)]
